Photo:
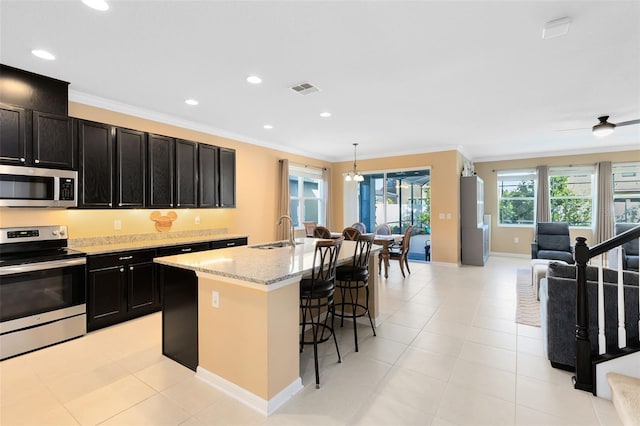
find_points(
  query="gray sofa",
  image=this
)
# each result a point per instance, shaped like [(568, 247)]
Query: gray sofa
[(558, 310)]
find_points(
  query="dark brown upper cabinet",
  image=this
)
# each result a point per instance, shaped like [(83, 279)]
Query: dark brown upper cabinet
[(96, 164), (13, 136), (186, 174), (131, 152), (53, 144), (227, 177), (208, 178), (161, 168)]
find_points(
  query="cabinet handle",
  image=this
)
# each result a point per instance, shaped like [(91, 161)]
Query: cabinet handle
[(119, 204), (22, 160), (231, 244), (121, 269), (109, 204), (37, 161), (178, 204), (171, 205), (125, 257), (131, 268), (186, 249)]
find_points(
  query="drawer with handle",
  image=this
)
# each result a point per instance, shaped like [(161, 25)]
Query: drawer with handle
[(120, 258)]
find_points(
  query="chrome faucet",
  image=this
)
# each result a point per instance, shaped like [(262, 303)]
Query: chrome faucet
[(291, 229)]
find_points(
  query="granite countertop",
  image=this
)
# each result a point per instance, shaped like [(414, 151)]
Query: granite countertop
[(95, 246), (256, 265)]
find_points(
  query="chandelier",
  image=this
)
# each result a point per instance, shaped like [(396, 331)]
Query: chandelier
[(354, 174)]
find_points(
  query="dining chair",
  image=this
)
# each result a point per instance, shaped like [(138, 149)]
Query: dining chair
[(350, 233), (309, 227), (383, 229), (401, 253), (316, 300), (321, 232), (360, 227), (350, 279)]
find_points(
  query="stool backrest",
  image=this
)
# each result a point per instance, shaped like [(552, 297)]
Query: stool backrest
[(321, 232), (362, 251), (308, 228), (350, 233), (360, 227), (325, 260)]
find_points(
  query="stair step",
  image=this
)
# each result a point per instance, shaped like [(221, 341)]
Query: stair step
[(625, 392)]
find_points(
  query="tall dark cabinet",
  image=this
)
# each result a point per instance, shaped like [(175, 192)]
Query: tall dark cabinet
[(475, 231), (53, 145), (208, 181), (227, 177), (96, 164), (131, 165), (160, 170), (13, 135), (186, 173)]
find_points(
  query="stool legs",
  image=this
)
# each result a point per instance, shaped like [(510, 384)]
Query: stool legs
[(318, 328), (348, 287)]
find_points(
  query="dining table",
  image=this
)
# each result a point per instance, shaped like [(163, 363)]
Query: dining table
[(385, 241)]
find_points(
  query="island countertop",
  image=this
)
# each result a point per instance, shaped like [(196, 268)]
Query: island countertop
[(254, 264)]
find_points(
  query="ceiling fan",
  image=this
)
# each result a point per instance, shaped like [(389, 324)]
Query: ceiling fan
[(604, 127)]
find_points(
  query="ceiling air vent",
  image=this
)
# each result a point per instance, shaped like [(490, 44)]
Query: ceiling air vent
[(305, 88)]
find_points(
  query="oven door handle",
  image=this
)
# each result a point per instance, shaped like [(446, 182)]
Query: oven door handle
[(41, 266)]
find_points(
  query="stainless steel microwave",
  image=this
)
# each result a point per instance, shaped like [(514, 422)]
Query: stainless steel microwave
[(35, 187)]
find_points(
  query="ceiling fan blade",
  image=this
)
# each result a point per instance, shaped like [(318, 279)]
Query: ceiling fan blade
[(627, 123)]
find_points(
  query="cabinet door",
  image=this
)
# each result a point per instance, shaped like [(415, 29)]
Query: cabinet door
[(208, 176), (96, 164), (227, 177), (53, 146), (130, 167), (229, 243), (161, 167), (186, 173), (106, 297), (143, 289), (13, 137)]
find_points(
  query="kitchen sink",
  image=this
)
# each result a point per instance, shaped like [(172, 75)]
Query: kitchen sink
[(274, 245)]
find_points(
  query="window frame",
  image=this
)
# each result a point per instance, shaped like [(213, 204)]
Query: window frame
[(524, 173), (623, 195)]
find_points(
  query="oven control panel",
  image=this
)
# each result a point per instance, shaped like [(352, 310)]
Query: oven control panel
[(32, 234)]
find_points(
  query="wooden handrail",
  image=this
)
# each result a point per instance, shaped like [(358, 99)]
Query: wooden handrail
[(584, 367)]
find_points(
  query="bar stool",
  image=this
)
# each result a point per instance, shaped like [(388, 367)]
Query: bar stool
[(351, 234), (350, 279), (316, 298)]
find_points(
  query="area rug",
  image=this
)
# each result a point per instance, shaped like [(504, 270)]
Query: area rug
[(528, 307)]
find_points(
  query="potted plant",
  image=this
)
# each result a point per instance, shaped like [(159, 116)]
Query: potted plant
[(425, 218)]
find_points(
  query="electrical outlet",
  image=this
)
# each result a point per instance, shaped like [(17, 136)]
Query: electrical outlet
[(117, 224), (516, 240), (215, 299), (197, 220)]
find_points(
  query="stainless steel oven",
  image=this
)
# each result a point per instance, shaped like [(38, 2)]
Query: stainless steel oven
[(42, 289)]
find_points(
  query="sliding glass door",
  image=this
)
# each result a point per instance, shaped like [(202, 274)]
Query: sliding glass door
[(398, 198)]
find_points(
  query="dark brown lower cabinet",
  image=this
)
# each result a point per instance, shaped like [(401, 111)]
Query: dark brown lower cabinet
[(120, 287)]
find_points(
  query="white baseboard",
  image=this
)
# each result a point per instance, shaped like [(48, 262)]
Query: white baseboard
[(629, 365), (261, 405), (518, 255)]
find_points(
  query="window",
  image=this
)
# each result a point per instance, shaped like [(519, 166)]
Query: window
[(516, 197), (571, 192), (307, 195), (626, 192)]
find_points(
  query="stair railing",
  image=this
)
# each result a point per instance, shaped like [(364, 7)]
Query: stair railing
[(583, 378)]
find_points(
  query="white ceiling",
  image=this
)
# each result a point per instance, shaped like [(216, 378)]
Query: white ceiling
[(398, 77)]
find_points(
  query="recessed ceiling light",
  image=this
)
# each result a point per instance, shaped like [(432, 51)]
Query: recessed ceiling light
[(325, 114), (97, 4), (254, 79), (268, 126), (191, 102), (43, 54)]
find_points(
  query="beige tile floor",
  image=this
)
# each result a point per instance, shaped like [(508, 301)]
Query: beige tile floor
[(447, 353)]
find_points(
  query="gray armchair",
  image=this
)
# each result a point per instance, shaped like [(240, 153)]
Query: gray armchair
[(630, 249), (552, 241)]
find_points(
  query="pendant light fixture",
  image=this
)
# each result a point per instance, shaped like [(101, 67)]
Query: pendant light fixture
[(354, 174)]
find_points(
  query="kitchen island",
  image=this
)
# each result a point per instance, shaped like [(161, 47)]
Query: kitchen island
[(232, 315)]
